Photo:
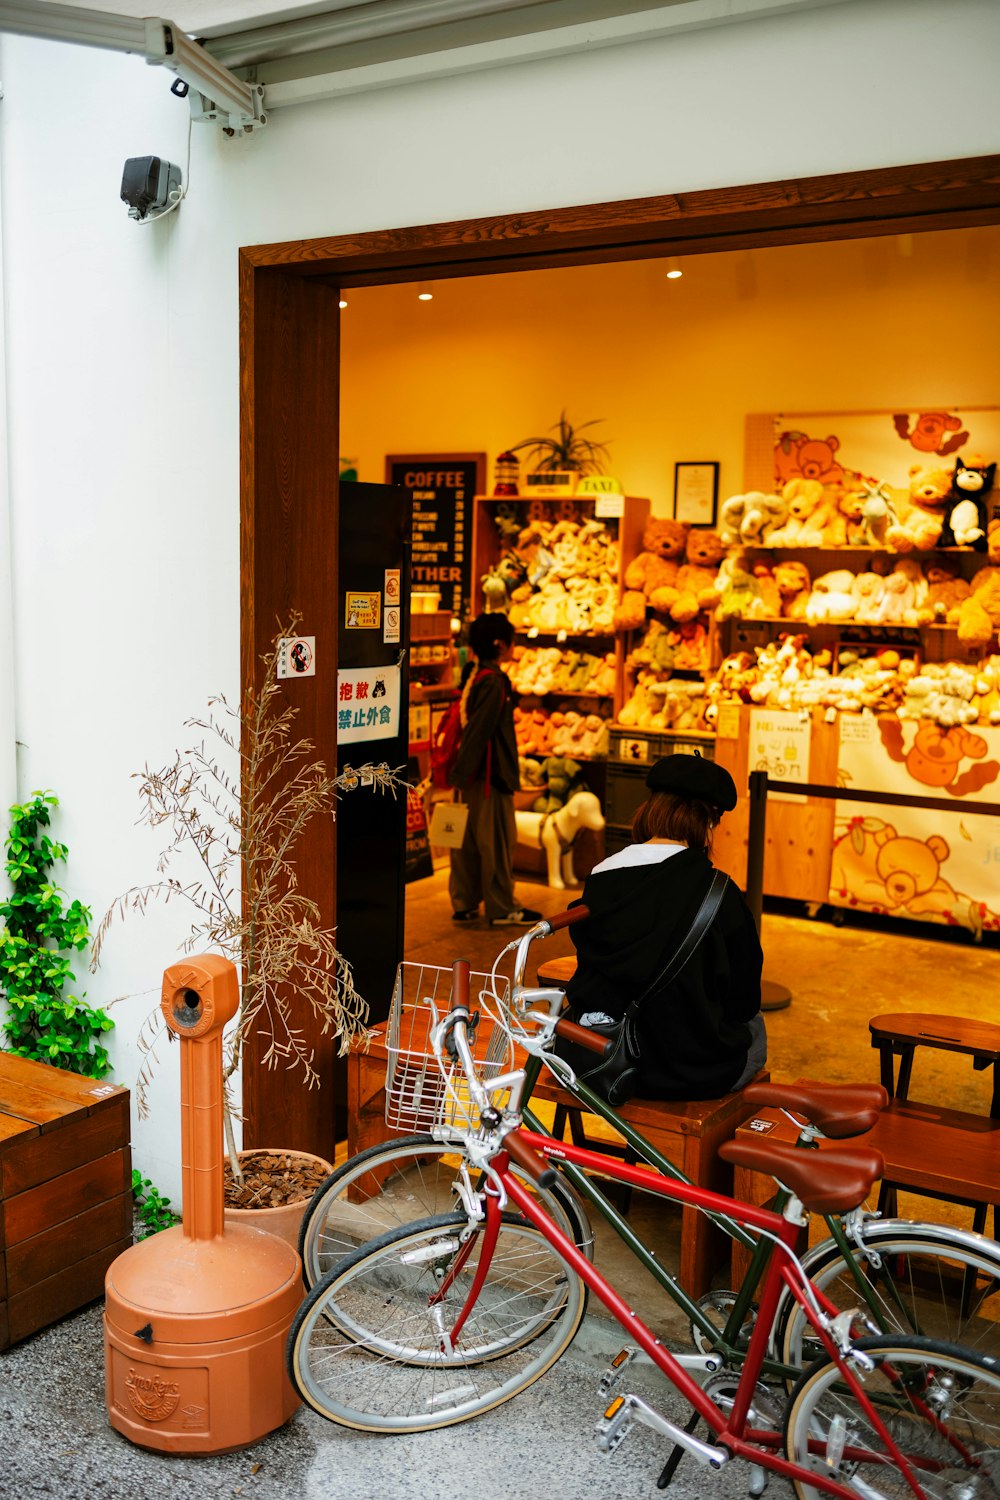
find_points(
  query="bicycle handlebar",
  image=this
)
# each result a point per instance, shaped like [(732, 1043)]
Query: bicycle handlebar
[(584, 1037), (460, 972), (567, 918)]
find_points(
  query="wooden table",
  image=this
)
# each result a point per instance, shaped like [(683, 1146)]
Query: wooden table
[(65, 1191)]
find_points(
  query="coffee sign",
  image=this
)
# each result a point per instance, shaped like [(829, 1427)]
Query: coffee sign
[(443, 486)]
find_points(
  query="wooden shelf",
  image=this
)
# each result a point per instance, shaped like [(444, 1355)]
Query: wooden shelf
[(560, 693)]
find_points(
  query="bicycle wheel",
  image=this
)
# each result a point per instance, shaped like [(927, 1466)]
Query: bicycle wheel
[(940, 1405), (921, 1280), (396, 1183), (367, 1347)]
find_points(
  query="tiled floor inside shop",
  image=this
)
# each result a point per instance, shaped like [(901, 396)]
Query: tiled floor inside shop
[(839, 977)]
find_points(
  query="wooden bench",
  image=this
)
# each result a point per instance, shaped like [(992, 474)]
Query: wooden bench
[(65, 1191), (687, 1133), (899, 1034)]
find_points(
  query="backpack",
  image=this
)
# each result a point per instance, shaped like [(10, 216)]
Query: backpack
[(447, 738)]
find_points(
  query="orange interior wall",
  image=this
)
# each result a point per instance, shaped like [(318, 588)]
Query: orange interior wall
[(671, 367)]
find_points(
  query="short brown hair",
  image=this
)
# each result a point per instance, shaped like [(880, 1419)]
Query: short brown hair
[(665, 815)]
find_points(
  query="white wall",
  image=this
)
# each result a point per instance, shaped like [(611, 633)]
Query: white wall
[(121, 341)]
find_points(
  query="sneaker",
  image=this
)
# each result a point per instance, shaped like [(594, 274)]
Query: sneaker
[(523, 917), (465, 916)]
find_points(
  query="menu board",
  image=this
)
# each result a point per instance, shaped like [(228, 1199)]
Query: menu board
[(443, 486)]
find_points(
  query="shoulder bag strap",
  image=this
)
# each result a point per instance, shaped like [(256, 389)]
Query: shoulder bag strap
[(704, 917)]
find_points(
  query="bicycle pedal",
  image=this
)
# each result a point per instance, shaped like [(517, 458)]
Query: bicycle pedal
[(612, 1377), (615, 1425)]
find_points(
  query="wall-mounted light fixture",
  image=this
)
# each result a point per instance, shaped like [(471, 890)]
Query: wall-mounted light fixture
[(425, 294), (342, 302), (674, 272)]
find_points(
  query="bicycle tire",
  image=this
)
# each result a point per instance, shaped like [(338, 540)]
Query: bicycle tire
[(940, 1404), (398, 1182), (396, 1378), (918, 1289)]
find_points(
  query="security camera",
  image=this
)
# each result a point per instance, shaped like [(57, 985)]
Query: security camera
[(149, 183)]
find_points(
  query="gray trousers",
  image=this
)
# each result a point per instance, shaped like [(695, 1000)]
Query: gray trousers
[(483, 869), (757, 1053)]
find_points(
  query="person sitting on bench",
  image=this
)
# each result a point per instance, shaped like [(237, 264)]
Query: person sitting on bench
[(700, 1034)]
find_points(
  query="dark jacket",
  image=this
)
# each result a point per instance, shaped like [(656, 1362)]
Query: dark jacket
[(694, 1034), (488, 748)]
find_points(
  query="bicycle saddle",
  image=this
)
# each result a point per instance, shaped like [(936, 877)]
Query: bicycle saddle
[(828, 1181), (838, 1109)]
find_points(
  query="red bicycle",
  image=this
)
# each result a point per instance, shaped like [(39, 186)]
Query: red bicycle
[(442, 1319)]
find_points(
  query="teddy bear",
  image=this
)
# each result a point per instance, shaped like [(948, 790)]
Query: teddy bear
[(867, 589), (979, 614), (696, 577), (832, 597), (898, 603), (919, 511), (809, 510), (631, 612), (663, 542), (965, 522), (945, 592), (794, 583)]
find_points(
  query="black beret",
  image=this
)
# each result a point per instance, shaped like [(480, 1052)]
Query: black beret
[(693, 776)]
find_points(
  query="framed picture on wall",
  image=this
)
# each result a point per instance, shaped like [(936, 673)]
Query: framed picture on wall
[(696, 493)]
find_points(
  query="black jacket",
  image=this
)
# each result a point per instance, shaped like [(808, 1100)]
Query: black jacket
[(488, 748), (694, 1034)]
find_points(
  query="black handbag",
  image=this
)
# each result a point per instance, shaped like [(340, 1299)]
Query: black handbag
[(616, 1078)]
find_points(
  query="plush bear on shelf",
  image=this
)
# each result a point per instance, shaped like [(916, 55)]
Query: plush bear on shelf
[(919, 511), (945, 592), (832, 597), (868, 590), (794, 583), (663, 542), (696, 577), (809, 509), (979, 615)]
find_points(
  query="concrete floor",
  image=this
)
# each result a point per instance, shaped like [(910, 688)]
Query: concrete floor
[(54, 1436)]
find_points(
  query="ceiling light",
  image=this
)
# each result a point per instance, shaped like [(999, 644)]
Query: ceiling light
[(342, 302), (674, 271), (425, 294)]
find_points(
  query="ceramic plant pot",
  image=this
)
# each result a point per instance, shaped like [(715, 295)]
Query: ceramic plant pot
[(284, 1220)]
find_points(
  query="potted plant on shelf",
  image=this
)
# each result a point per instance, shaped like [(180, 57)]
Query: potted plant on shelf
[(236, 805), (556, 461)]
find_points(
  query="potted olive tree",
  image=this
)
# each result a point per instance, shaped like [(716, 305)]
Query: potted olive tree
[(235, 806)]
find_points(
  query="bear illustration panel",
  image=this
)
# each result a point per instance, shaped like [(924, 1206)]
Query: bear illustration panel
[(926, 865)]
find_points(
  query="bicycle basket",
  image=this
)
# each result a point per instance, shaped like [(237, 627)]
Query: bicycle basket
[(418, 1094)]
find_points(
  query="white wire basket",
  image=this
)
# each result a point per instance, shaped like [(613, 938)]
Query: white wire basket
[(420, 1092)]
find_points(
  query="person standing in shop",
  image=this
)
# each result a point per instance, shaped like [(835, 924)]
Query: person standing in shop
[(487, 775)]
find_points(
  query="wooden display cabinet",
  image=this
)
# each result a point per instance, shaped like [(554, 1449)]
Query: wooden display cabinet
[(432, 680), (488, 549)]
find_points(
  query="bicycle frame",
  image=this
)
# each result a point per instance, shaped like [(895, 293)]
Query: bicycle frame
[(727, 1338), (731, 1430)]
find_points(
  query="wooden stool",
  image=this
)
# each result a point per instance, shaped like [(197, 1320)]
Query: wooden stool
[(687, 1133), (899, 1035)]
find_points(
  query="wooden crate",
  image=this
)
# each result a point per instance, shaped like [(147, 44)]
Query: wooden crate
[(65, 1191)]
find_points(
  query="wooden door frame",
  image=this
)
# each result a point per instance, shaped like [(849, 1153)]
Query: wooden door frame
[(289, 418)]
